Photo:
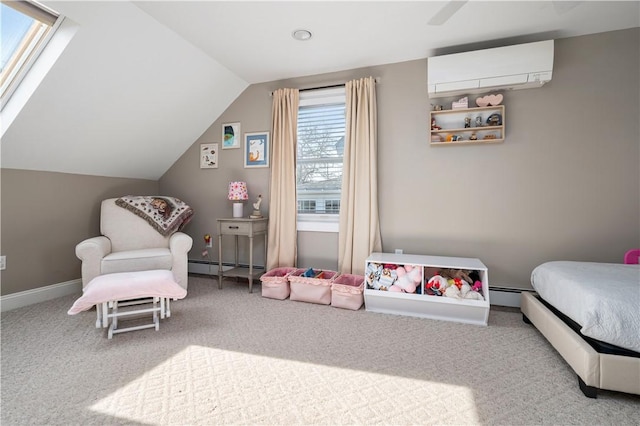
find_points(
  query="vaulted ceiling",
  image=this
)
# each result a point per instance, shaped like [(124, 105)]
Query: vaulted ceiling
[(138, 82)]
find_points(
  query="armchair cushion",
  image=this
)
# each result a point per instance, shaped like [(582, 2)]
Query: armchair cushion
[(137, 260)]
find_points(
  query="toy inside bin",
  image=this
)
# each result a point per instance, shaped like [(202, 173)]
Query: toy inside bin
[(311, 285), (275, 283), (346, 291)]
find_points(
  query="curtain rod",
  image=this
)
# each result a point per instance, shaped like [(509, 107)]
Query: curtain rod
[(332, 86)]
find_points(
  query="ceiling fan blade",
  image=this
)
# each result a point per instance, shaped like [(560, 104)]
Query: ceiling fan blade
[(446, 12)]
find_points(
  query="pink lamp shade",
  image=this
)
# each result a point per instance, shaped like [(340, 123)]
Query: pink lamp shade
[(237, 194)]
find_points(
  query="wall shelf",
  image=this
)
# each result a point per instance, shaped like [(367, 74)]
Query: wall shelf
[(451, 125)]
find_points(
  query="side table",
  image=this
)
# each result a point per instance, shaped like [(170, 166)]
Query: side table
[(236, 227)]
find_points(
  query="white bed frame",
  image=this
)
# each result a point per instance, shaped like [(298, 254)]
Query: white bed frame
[(595, 370)]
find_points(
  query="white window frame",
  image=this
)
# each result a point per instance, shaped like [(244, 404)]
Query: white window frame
[(320, 222), (32, 50)]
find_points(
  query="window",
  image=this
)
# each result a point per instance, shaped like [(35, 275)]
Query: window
[(26, 28), (321, 132)]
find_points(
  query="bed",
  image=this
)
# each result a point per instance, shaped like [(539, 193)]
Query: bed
[(590, 313)]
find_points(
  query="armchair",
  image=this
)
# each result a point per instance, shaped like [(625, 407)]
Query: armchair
[(128, 244)]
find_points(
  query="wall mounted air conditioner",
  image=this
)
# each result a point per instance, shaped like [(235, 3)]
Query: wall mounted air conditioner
[(521, 66)]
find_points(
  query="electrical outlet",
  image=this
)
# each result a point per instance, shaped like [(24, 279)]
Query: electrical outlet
[(208, 241), (398, 251), (3, 263)]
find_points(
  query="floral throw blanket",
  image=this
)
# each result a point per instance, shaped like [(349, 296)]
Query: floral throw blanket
[(165, 214)]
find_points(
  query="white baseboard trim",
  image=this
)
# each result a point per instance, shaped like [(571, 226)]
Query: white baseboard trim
[(505, 296), (37, 295)]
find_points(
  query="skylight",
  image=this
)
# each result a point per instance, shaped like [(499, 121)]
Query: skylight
[(26, 27)]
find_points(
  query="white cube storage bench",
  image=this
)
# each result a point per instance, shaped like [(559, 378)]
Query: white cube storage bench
[(424, 305)]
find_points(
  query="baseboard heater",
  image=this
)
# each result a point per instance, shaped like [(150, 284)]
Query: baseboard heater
[(505, 296), (204, 267)]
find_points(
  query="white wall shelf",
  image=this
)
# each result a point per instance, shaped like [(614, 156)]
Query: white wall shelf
[(451, 124)]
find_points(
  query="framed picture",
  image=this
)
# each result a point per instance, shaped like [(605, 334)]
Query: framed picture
[(231, 135), (209, 156), (256, 149)]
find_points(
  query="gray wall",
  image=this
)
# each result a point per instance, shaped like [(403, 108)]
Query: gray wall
[(44, 216), (564, 185)]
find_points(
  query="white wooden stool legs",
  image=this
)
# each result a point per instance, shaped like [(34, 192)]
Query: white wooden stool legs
[(108, 313)]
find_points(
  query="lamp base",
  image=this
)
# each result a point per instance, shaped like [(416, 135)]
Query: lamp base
[(256, 215), (237, 210)]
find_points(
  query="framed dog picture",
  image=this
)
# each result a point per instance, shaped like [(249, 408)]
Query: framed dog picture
[(256, 149)]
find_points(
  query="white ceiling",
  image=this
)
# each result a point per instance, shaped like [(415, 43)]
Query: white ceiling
[(141, 81), (253, 39)]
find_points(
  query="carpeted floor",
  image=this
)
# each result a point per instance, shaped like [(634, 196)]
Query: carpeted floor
[(230, 357)]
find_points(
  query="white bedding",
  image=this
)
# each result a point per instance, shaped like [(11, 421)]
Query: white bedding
[(604, 298)]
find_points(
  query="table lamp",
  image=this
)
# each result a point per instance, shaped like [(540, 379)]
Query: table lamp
[(238, 193)]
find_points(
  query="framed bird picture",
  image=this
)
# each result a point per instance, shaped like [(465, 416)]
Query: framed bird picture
[(209, 156), (256, 149)]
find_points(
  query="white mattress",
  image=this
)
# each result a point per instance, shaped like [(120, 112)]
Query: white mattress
[(604, 298)]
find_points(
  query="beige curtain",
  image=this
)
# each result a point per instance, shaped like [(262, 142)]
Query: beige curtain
[(359, 222), (282, 247)]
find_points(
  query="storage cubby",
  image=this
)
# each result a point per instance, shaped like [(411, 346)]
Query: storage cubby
[(379, 297), (451, 124)]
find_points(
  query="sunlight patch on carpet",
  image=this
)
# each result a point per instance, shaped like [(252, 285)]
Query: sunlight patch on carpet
[(205, 385)]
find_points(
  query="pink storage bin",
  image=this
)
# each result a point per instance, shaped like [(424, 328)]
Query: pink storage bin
[(346, 291), (312, 290), (275, 283)]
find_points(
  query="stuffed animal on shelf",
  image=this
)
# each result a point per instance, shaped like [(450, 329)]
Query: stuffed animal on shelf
[(408, 279), (387, 278), (457, 274), (436, 285), (372, 275), (465, 291)]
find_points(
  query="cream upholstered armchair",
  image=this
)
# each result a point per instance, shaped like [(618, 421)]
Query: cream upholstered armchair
[(131, 242)]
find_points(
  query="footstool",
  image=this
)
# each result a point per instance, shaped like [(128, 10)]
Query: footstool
[(110, 292)]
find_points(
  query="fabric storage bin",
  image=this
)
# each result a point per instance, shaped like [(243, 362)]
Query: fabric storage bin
[(275, 283), (311, 289), (346, 291)]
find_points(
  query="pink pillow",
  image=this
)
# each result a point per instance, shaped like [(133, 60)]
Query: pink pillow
[(126, 286)]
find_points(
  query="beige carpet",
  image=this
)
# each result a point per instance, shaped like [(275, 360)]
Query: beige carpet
[(230, 357)]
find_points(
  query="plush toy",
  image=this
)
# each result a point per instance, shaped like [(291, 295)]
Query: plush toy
[(436, 285), (387, 278), (465, 291), (408, 279), (457, 273), (372, 274), (452, 291)]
